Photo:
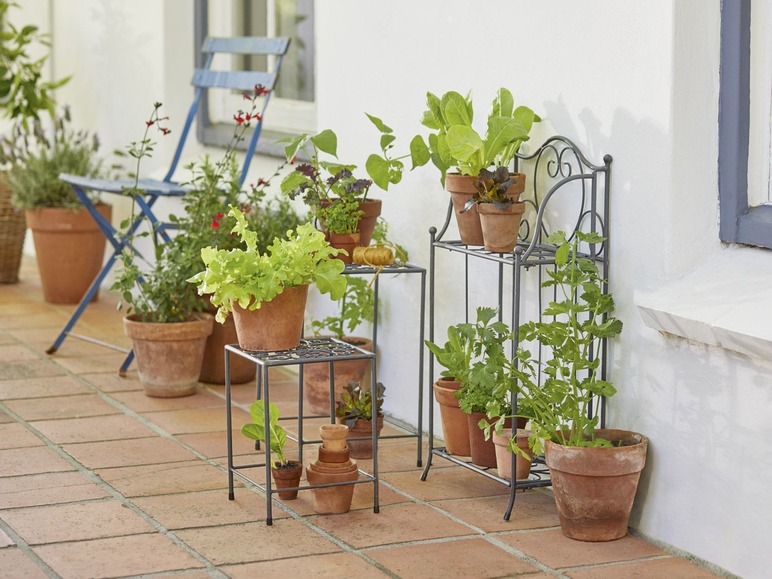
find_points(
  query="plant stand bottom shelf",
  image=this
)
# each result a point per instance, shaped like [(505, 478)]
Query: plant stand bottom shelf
[(310, 351)]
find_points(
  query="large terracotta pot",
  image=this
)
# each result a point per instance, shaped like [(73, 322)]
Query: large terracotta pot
[(461, 189), (69, 247), (213, 366), (316, 377), (169, 355), (482, 452), (276, 325), (455, 427), (500, 226), (594, 488)]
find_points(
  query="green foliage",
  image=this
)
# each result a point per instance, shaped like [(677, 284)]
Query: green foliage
[(256, 429), (456, 354), (565, 408), (249, 277), (23, 92), (36, 163), (386, 170), (341, 216), (356, 305), (357, 403), (454, 143)]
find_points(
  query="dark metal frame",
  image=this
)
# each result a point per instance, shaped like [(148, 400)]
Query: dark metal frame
[(739, 223), (556, 170)]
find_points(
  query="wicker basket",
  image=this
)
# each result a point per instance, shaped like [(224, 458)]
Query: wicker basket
[(12, 229)]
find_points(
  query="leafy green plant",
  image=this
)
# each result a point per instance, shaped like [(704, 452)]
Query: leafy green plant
[(355, 306), (455, 143), (248, 277), (456, 354), (386, 170), (256, 430), (35, 164), (493, 187), (24, 94), (341, 215), (565, 408), (356, 403)]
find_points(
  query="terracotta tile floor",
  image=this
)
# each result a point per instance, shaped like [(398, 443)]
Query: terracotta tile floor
[(97, 480)]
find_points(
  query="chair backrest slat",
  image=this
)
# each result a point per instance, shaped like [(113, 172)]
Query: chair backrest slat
[(206, 78)]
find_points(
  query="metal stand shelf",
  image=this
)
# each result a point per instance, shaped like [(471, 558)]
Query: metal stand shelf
[(312, 350), (408, 268), (559, 177)]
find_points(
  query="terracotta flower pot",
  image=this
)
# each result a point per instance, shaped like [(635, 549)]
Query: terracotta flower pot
[(483, 452), (347, 241), (371, 208), (169, 355), (504, 456), (316, 377), (69, 247), (276, 325), (334, 436), (500, 226), (213, 366), (461, 189), (337, 499), (455, 427), (363, 448), (594, 488), (287, 476)]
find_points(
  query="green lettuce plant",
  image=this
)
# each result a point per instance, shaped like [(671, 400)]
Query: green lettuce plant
[(249, 277), (454, 143)]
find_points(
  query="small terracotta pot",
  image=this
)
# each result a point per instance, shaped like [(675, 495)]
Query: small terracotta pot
[(595, 488), (500, 226), (371, 209), (363, 448), (334, 436), (504, 456), (347, 241), (455, 427), (482, 452), (276, 325), (332, 500), (286, 476), (333, 456)]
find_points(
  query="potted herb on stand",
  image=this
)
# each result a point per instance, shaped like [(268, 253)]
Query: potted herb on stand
[(357, 305), (500, 213), (594, 471), (24, 94), (355, 410), (455, 144), (69, 245), (286, 473)]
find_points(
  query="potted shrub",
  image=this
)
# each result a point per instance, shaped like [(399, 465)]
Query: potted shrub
[(455, 144), (456, 357), (355, 410), (594, 471), (357, 305), (68, 242), (286, 473), (267, 292), (24, 94)]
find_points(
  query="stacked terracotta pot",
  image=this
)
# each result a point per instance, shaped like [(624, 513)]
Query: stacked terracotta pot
[(334, 465)]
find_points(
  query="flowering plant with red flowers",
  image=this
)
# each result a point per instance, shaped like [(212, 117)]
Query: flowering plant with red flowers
[(160, 292)]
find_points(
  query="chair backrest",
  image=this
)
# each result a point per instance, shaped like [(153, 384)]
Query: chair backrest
[(244, 80)]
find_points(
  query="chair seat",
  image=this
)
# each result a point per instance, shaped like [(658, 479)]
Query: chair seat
[(148, 186)]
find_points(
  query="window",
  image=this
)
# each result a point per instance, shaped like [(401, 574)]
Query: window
[(744, 122), (292, 108)]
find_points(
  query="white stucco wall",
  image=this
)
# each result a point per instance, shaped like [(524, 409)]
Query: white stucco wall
[(638, 80)]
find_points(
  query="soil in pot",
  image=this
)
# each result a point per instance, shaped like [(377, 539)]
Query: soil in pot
[(316, 377), (455, 427), (69, 247), (287, 475), (276, 325), (169, 355), (595, 488)]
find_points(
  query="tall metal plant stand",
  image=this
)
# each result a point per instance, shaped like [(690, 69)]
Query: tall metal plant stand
[(565, 192), (312, 350)]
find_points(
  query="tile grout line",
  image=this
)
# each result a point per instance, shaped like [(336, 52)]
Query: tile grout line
[(29, 551)]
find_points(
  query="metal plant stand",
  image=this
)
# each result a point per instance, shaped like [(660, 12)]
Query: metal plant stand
[(312, 350), (564, 192)]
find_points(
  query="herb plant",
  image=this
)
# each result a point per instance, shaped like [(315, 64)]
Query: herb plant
[(386, 170), (356, 403), (256, 430)]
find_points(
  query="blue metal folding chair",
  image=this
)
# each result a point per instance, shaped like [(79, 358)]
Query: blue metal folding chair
[(203, 79)]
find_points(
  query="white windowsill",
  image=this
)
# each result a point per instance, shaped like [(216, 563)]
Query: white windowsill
[(726, 302)]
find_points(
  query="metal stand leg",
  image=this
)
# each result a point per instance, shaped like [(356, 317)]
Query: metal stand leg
[(229, 423)]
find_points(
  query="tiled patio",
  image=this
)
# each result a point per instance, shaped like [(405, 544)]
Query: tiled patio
[(98, 480)]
